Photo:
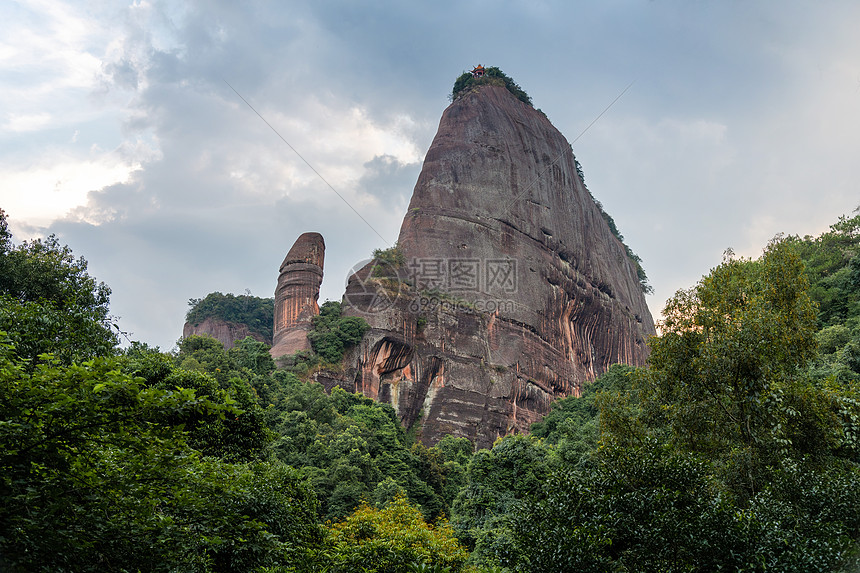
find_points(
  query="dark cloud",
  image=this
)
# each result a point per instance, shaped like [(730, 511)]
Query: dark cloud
[(390, 180)]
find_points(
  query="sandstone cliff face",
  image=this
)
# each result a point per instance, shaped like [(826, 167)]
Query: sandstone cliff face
[(296, 295), (226, 332), (514, 291)]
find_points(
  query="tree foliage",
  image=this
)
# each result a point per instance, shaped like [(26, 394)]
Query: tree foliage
[(355, 449), (95, 477), (722, 455), (332, 333), (49, 303), (833, 266), (392, 540), (497, 481), (572, 427), (738, 448)]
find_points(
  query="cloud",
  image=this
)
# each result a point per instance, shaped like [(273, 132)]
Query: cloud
[(23, 122)]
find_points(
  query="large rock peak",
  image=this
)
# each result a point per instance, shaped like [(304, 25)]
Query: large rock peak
[(511, 288), (296, 295), (514, 290)]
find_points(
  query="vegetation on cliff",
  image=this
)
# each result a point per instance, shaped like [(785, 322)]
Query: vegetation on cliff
[(332, 333), (254, 312), (493, 77)]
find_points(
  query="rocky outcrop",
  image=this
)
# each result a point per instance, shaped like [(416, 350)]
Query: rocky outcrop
[(297, 293), (226, 332), (514, 290)]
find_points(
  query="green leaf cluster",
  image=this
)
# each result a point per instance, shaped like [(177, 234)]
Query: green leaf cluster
[(497, 482), (392, 256), (394, 539), (833, 266), (236, 377), (126, 461), (572, 427)]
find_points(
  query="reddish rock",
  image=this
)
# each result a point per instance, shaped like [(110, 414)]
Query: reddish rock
[(226, 332), (297, 293), (499, 193)]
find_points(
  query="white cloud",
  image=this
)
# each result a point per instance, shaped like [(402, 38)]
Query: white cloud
[(22, 123), (40, 194)]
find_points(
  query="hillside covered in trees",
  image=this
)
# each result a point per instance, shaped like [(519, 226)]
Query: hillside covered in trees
[(255, 313), (737, 448)]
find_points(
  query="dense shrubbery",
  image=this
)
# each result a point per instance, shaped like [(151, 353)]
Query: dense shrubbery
[(721, 455), (833, 264), (492, 76), (392, 256), (254, 312), (392, 538), (332, 333)]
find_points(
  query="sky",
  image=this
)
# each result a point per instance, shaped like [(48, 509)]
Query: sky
[(123, 132)]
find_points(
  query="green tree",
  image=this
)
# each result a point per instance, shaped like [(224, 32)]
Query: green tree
[(573, 424), (391, 540), (94, 477), (722, 455), (349, 445), (492, 76), (730, 352), (498, 480), (49, 303)]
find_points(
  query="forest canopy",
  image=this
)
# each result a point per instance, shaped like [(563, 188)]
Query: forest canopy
[(737, 448)]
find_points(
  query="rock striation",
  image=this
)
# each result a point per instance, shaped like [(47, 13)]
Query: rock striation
[(513, 290), (297, 293), (226, 332)]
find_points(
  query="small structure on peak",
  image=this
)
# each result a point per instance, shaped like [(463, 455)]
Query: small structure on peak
[(478, 71)]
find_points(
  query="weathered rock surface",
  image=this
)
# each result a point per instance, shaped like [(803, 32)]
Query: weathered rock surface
[(514, 291), (297, 293), (226, 332)]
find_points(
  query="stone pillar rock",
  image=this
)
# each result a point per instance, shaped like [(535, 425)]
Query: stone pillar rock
[(296, 295)]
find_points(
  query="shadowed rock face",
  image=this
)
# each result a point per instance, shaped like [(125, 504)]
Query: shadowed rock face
[(516, 290), (227, 333), (297, 293)]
